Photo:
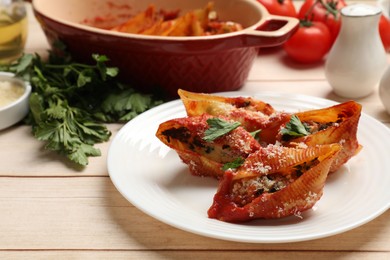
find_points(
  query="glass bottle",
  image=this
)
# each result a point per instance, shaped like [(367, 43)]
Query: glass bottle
[(357, 59), (13, 29)]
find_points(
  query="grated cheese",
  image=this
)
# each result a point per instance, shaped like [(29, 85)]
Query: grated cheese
[(9, 92)]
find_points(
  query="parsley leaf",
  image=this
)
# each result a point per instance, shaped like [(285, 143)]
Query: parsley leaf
[(70, 102), (255, 134), (234, 164), (217, 128), (125, 105), (294, 128)]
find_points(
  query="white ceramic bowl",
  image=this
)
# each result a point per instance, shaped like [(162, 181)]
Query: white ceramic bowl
[(15, 111)]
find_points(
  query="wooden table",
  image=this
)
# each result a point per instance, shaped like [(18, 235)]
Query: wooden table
[(49, 209)]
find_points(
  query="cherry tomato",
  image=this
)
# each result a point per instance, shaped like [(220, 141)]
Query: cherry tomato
[(326, 11), (280, 7), (310, 43), (384, 31)]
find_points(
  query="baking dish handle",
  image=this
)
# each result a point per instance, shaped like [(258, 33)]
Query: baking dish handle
[(273, 32)]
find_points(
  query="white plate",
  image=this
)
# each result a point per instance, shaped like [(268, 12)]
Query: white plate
[(152, 178)]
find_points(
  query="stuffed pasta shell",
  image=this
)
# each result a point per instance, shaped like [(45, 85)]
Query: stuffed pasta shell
[(273, 182), (336, 124), (253, 114), (202, 147)]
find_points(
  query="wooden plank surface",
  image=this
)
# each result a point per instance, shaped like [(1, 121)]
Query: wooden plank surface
[(193, 255), (42, 162), (52, 210), (75, 213)]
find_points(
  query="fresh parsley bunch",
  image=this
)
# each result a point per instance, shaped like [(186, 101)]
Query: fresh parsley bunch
[(70, 102)]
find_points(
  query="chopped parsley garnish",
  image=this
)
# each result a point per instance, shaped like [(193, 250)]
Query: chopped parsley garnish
[(255, 134), (217, 128), (294, 128), (233, 164)]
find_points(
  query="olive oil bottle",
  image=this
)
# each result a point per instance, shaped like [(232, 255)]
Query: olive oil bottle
[(13, 29)]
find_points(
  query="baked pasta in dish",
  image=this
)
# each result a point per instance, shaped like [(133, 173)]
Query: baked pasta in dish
[(197, 22)]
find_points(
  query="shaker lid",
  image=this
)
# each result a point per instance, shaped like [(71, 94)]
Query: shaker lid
[(360, 10)]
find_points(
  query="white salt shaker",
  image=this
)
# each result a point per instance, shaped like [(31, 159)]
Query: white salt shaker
[(357, 60), (384, 90)]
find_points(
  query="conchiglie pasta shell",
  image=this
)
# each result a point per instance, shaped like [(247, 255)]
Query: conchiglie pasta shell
[(301, 195), (199, 165), (297, 197), (344, 132), (279, 159), (185, 135), (251, 113), (200, 103)]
